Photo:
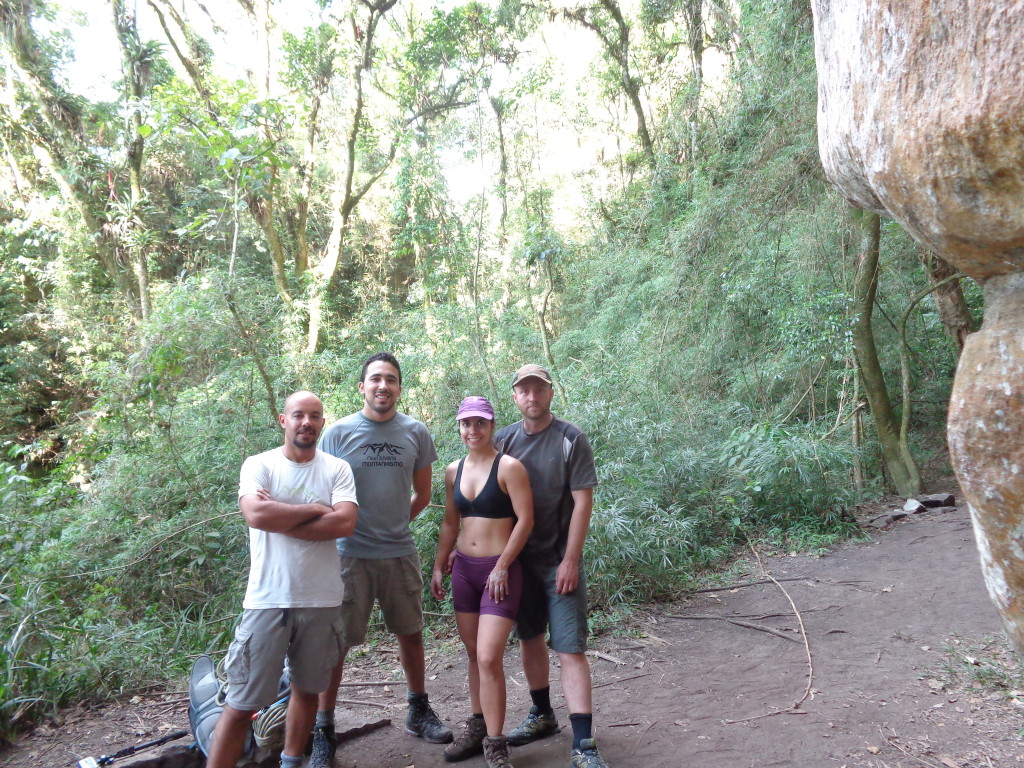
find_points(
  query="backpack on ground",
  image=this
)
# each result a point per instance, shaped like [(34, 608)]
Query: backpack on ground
[(206, 695)]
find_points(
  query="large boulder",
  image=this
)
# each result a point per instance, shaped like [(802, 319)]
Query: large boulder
[(921, 118), (920, 110)]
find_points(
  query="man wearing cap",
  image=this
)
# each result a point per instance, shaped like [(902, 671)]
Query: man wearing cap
[(560, 463), (391, 455)]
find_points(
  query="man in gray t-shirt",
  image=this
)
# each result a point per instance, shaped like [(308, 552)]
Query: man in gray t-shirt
[(560, 463), (392, 456), (387, 459)]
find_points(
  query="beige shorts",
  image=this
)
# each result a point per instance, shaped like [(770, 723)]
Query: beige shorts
[(311, 638), (394, 582)]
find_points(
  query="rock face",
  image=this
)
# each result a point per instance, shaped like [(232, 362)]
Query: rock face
[(921, 118), (986, 443)]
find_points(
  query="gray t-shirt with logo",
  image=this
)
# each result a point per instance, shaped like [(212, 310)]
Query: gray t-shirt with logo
[(558, 460), (383, 455)]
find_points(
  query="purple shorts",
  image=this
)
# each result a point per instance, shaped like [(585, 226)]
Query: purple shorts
[(469, 586)]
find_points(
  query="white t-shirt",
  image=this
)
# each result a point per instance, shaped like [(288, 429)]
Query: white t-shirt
[(286, 572)]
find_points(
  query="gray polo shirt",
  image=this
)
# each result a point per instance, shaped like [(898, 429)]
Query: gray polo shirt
[(558, 460), (383, 455)]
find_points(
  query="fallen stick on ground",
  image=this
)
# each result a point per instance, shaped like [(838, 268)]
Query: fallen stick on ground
[(640, 738), (620, 680), (740, 586), (161, 702), (364, 703), (795, 707), (738, 623), (893, 741), (606, 657)]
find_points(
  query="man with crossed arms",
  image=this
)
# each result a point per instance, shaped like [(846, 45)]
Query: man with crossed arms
[(296, 501)]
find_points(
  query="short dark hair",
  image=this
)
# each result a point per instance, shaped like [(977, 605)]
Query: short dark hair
[(383, 357)]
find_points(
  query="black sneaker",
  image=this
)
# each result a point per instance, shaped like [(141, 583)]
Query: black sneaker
[(421, 721), (325, 742), (535, 726), (587, 756)]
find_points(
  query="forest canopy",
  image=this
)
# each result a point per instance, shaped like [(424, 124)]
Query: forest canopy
[(208, 206)]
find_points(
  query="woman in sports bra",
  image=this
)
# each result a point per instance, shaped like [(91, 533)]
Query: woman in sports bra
[(488, 497)]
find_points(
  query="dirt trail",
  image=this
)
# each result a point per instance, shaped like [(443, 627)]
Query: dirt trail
[(895, 628)]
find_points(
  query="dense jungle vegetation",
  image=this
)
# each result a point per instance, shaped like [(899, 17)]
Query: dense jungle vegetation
[(265, 192)]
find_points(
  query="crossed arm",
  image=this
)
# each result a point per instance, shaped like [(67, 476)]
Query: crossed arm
[(310, 522)]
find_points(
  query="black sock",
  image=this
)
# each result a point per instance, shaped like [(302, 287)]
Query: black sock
[(542, 700), (416, 699), (582, 728)]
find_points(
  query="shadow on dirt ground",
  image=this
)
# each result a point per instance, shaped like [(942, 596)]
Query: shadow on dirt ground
[(891, 647)]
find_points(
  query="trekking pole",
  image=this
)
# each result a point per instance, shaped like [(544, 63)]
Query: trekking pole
[(95, 762)]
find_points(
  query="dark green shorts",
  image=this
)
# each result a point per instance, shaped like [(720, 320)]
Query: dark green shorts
[(543, 609)]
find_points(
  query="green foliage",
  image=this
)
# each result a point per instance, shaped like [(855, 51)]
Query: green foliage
[(310, 58), (988, 666), (427, 244), (788, 479), (696, 314)]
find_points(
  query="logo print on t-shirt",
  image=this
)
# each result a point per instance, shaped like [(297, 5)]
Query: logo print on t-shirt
[(384, 454)]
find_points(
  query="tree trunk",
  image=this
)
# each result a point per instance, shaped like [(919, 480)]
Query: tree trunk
[(262, 207), (541, 313), (262, 210), (900, 464), (693, 13), (630, 83), (133, 225), (953, 311), (306, 172), (856, 438), (499, 115), (347, 196), (54, 127), (617, 46)]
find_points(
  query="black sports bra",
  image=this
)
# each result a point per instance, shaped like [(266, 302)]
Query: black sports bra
[(491, 502)]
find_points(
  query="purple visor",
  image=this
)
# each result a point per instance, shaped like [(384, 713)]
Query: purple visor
[(477, 406)]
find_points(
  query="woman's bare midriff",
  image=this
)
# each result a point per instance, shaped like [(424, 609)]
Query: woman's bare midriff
[(484, 536)]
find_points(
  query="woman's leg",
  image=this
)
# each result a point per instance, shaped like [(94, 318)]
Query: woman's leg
[(492, 637), (467, 624)]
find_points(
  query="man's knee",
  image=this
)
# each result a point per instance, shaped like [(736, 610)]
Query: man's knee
[(535, 644), (230, 716), (304, 698), (573, 659), (412, 641)]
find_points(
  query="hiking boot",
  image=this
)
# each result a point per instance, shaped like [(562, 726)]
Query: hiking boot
[(535, 726), (421, 721), (587, 756), (470, 742), (325, 742), (496, 752)]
